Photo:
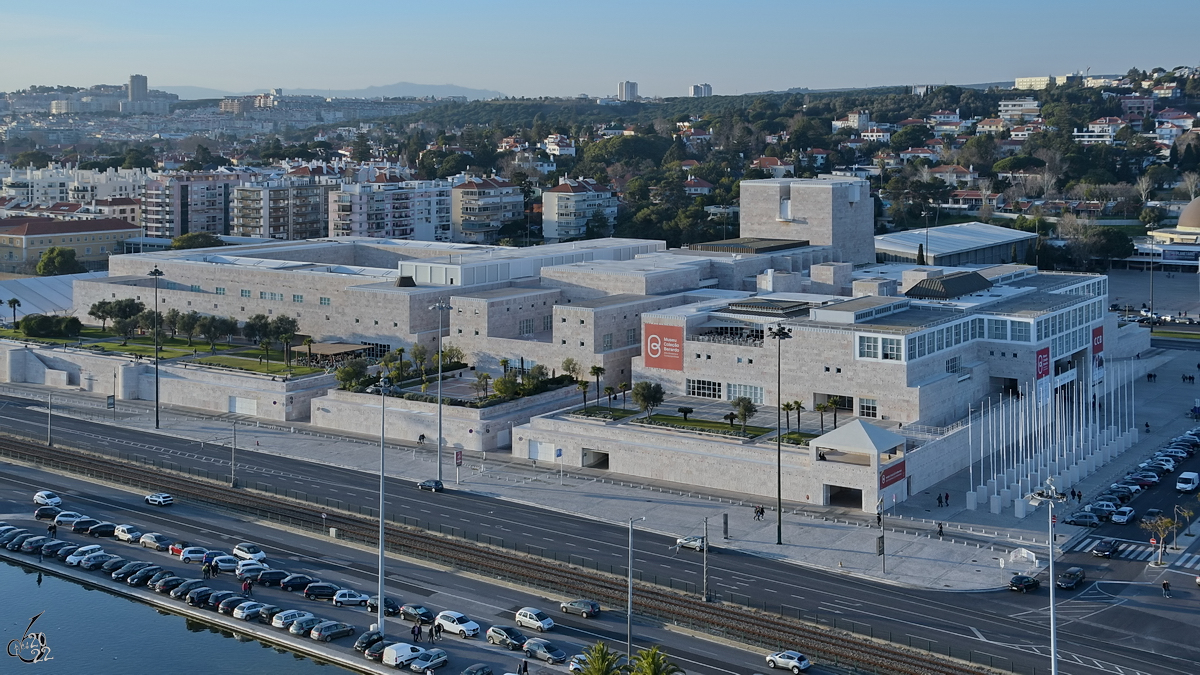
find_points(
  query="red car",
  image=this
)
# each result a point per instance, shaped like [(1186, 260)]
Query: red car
[(177, 547)]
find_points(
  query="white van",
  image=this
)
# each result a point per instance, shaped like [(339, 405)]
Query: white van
[(1188, 481), (401, 654)]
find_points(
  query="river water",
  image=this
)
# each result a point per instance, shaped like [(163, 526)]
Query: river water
[(94, 632)]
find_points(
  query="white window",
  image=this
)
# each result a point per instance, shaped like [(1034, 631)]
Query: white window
[(891, 349), (1020, 331), (220, 290), (606, 341), (751, 392), (997, 329), (546, 322), (297, 298), (630, 336), (868, 407), (325, 301), (953, 364), (868, 347), (704, 388), (526, 327)]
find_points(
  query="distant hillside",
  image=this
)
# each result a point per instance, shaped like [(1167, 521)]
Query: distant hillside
[(385, 91)]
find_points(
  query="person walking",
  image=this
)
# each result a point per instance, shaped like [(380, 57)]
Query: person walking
[(939, 499), (1166, 589), (940, 532), (523, 669), (436, 631), (206, 571), (947, 499), (52, 530), (249, 588)]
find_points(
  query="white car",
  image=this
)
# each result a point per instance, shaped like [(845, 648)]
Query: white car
[(244, 566), (46, 498), (1123, 515), (350, 597), (286, 619), (192, 554), (68, 518), (127, 533), (247, 551), (160, 499), (694, 542), (248, 610), (225, 563), (83, 552), (459, 624), (530, 617), (401, 654), (794, 661)]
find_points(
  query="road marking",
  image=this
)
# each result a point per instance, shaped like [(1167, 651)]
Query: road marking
[(594, 549), (977, 633)]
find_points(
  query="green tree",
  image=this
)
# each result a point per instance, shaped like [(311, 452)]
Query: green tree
[(171, 321), (14, 303), (583, 386), (419, 354), (835, 402), (32, 159), (352, 375), (1151, 216), (482, 381), (623, 387), (601, 660), (920, 254), (257, 328), (308, 343), (647, 396), (126, 308), (187, 324), (124, 326), (823, 408), (787, 409), (610, 393), (653, 661), (506, 386), (571, 367), (361, 150), (597, 372), (37, 325), (685, 411), (196, 240), (744, 408), (283, 328), (58, 260), (265, 345)]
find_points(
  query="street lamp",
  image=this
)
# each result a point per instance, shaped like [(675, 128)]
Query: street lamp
[(779, 334), (383, 384), (629, 597), (1050, 496), (440, 307), (156, 273)]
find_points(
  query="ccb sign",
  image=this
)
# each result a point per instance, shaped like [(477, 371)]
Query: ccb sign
[(662, 347)]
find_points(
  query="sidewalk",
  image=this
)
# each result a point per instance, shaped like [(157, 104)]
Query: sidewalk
[(967, 557)]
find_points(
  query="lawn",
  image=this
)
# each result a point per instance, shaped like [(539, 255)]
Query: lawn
[(253, 365), (710, 424), (86, 335), (179, 343), (598, 411), (798, 437), (1175, 334), (146, 350)]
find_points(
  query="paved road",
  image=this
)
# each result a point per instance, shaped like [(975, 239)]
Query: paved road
[(1174, 343), (1125, 638)]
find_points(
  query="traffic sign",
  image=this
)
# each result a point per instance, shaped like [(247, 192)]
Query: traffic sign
[(1053, 520), (458, 458), (1153, 541), (558, 452)]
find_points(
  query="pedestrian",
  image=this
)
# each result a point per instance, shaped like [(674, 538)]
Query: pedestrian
[(1147, 427), (245, 588), (249, 588), (416, 632), (940, 533), (52, 530), (947, 499), (939, 499), (879, 519), (436, 631), (205, 570), (1166, 589), (523, 669), (1079, 497)]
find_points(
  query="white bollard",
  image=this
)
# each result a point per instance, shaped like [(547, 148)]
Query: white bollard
[(1005, 498), (1019, 508), (994, 503), (971, 500)]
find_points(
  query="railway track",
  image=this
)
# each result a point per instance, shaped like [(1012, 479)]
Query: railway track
[(822, 643)]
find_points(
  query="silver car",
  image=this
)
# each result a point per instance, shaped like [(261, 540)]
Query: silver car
[(794, 661)]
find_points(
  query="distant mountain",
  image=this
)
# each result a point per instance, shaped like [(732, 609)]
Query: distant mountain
[(387, 91)]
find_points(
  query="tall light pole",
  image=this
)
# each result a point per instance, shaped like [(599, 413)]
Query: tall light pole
[(383, 384), (629, 597), (779, 334), (49, 417), (156, 273), (440, 307), (1050, 496)]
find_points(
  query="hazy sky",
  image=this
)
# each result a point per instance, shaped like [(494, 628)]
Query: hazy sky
[(535, 48)]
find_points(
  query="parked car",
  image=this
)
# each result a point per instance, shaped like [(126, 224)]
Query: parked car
[(16, 542), (11, 534), (390, 606), (224, 563), (429, 660), (321, 590), (68, 518), (247, 610), (1082, 518), (367, 639), (34, 544), (431, 485), (82, 552), (506, 636), (694, 542), (1105, 548), (297, 582), (1152, 514), (458, 624), (66, 552), (303, 626), (156, 541), (212, 554), (249, 569), (198, 597), (791, 660), (1130, 485), (102, 530), (375, 651), (231, 603), (1023, 583), (477, 669), (584, 608), (51, 548), (82, 525), (286, 618), (46, 498), (192, 554), (177, 547), (46, 512), (127, 533), (347, 596), (328, 631), (267, 613), (169, 584), (215, 600), (160, 499), (182, 590), (269, 578), (1071, 578), (127, 569), (142, 576), (530, 617), (1124, 515), (152, 582), (114, 564), (400, 654), (415, 612), (96, 560), (539, 648), (248, 551)]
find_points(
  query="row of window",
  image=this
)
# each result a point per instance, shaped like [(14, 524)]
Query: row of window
[(264, 295), (887, 349), (1069, 320), (714, 390)]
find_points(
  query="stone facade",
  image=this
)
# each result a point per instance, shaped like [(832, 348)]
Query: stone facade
[(836, 212)]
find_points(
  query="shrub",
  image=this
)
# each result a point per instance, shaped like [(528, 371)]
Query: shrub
[(38, 325)]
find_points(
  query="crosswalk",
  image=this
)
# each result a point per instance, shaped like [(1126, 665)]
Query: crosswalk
[(1132, 550)]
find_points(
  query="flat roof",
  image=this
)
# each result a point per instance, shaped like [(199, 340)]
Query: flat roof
[(506, 292), (750, 245), (611, 300), (866, 302), (949, 239), (1034, 303)]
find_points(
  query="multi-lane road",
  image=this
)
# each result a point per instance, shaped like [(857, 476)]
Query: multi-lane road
[(1107, 633)]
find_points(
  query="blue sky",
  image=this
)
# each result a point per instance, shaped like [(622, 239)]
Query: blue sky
[(535, 48)]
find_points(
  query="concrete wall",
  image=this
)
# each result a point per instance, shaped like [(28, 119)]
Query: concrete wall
[(839, 213)]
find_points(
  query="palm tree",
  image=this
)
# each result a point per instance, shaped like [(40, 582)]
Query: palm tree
[(308, 342), (266, 347), (653, 661), (835, 401), (602, 661), (823, 408), (13, 304), (583, 388), (623, 387), (787, 409), (609, 393), (504, 364), (482, 382), (597, 372)]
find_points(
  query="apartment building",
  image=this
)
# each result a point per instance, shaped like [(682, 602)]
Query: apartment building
[(121, 208), (290, 208), (567, 207), (189, 201), (417, 210), (700, 90), (1019, 110), (481, 206), (56, 184), (627, 91)]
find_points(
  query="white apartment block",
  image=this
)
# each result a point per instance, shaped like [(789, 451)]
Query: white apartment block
[(1020, 109), (567, 207), (56, 184), (289, 208), (480, 206), (627, 91), (700, 90), (418, 210)]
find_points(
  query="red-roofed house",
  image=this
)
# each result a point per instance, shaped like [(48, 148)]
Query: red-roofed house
[(778, 167), (944, 116), (557, 144), (23, 240), (877, 135), (918, 153), (974, 199), (697, 186), (992, 125), (954, 174), (1166, 91), (123, 208)]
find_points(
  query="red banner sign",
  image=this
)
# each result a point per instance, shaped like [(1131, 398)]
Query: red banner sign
[(892, 474), (662, 346), (1043, 362)]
